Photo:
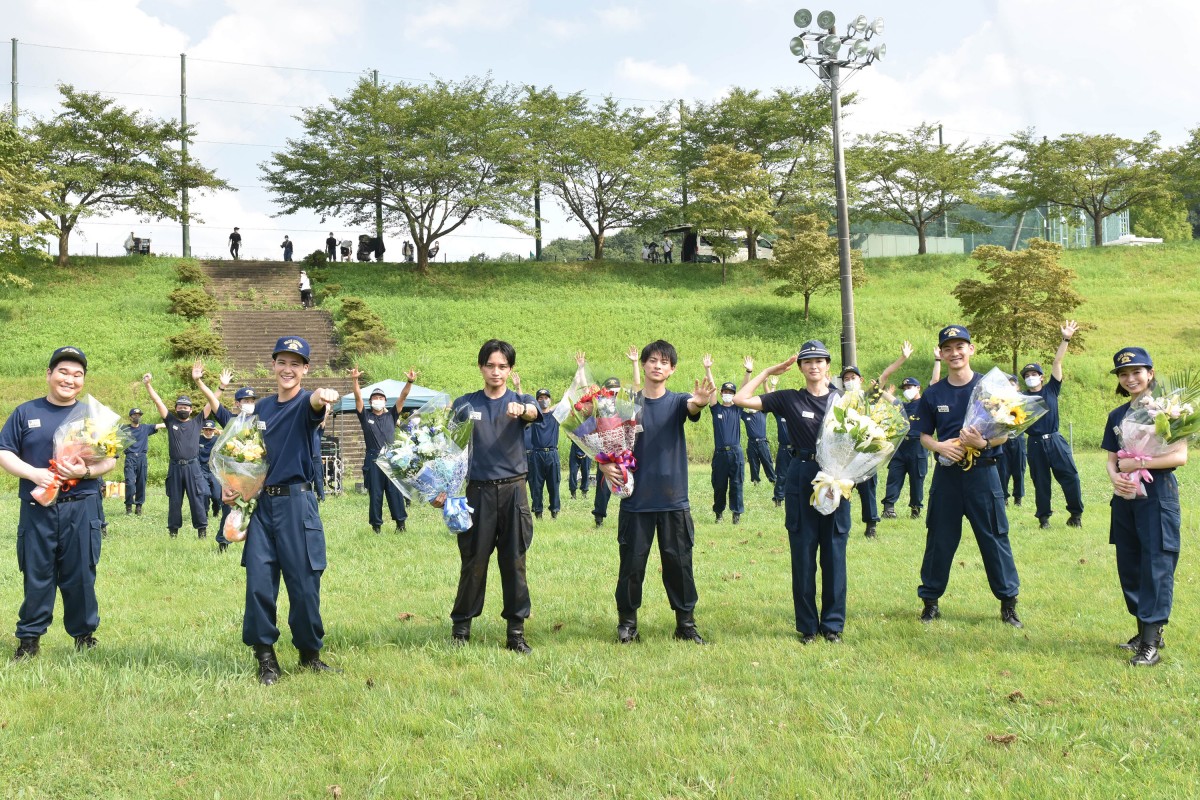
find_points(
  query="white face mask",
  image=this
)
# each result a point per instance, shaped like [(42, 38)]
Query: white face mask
[(1033, 381), (247, 408), (910, 393), (377, 405), (544, 403), (852, 385), (727, 399)]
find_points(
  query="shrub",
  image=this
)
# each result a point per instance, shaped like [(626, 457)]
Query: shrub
[(192, 302), (360, 330), (196, 341), (190, 272), (314, 260)]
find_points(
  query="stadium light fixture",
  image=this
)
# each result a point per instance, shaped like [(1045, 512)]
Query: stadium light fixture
[(802, 18)]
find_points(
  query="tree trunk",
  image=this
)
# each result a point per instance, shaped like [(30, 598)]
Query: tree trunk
[(724, 270), (807, 295), (751, 245), (1014, 361), (422, 257), (921, 250), (1098, 229), (598, 250), (64, 235)]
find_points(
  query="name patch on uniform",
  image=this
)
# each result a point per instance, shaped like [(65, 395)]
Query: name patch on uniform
[(476, 415), (174, 427), (262, 426), (943, 409), (34, 423), (370, 422), (720, 416), (808, 415)]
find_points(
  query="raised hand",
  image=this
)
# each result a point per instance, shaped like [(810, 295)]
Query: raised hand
[(906, 349), (411, 376), (516, 379), (633, 354), (580, 359), (226, 377), (937, 353), (773, 382), (355, 373), (781, 367), (197, 370), (1068, 329), (748, 363), (703, 391), (707, 361), (147, 378)]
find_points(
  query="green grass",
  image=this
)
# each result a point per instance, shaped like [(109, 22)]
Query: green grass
[(168, 705)]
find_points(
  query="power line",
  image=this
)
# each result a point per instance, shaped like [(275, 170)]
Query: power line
[(194, 224)]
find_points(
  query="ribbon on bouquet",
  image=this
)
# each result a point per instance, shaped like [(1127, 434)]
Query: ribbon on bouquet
[(457, 513), (1138, 476), (828, 492), (625, 460), (48, 495)]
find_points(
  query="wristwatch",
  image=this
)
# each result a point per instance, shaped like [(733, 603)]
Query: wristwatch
[(87, 474)]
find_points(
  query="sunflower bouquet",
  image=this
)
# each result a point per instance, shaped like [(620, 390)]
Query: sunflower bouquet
[(996, 408), (92, 432)]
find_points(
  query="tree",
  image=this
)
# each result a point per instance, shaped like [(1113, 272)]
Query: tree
[(1100, 175), (806, 259), (732, 195), (1183, 166), (23, 189), (1024, 300), (788, 130), (103, 158), (432, 156), (909, 178), (1165, 217), (610, 168)]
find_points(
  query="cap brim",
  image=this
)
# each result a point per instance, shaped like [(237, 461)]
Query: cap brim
[(1129, 366), (293, 352)]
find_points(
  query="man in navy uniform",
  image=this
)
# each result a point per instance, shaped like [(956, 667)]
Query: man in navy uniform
[(1048, 452), (758, 449), (544, 467), (659, 503), (286, 537), (579, 468), (379, 431), (957, 491), (184, 476), (852, 381), (911, 460), (58, 546), (783, 448), (496, 490), (728, 460), (208, 437), (136, 466)]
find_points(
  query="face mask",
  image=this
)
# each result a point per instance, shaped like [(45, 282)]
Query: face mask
[(727, 399), (377, 405), (247, 408), (910, 393), (187, 412), (544, 404), (852, 385), (1032, 381)]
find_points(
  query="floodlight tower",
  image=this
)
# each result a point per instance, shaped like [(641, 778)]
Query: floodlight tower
[(823, 48)]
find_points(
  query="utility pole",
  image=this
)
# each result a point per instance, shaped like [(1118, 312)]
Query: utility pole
[(378, 173), (945, 219), (537, 219), (682, 155), (16, 240), (183, 143)]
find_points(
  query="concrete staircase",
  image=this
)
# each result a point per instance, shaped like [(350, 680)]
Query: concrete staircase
[(261, 285)]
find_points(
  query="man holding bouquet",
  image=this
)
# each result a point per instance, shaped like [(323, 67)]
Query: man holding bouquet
[(659, 503), (58, 546), (966, 488)]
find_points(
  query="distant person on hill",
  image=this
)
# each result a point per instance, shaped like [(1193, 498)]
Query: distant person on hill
[(408, 251), (331, 248), (1047, 450), (235, 244), (378, 248), (58, 546), (346, 246), (433, 249), (378, 424), (131, 244), (135, 461), (306, 298), (666, 249), (287, 249)]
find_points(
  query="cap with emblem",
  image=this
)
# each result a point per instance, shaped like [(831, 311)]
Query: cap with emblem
[(135, 412), (851, 369), (377, 392), (728, 386), (209, 425), (1032, 367), (542, 393), (244, 393), (183, 400), (813, 348), (1131, 357), (910, 382), (291, 344), (612, 383), (68, 354), (951, 332)]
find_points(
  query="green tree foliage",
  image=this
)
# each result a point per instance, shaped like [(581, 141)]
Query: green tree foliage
[(1183, 166), (732, 195), (1099, 175), (1165, 217), (909, 178), (806, 260), (23, 189), (103, 158), (432, 155), (360, 330), (1021, 302)]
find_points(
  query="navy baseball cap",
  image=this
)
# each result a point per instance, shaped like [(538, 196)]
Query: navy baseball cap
[(209, 425), (377, 392), (292, 344), (813, 348), (851, 369), (612, 383), (541, 392), (183, 400), (953, 332), (68, 354), (910, 382), (1032, 366), (244, 393), (1131, 357), (133, 411), (728, 386), (1013, 378)]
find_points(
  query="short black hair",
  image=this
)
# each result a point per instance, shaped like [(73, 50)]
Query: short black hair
[(664, 349), (497, 346)]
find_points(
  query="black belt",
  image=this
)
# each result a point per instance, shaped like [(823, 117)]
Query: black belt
[(1036, 436), (759, 440), (544, 449), (802, 455), (497, 481), (978, 462), (285, 489), (65, 498), (182, 461)]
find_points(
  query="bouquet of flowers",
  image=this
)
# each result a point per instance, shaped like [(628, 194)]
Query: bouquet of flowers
[(604, 423), (858, 437), (91, 432), (430, 458), (239, 460), (997, 408), (1157, 423)]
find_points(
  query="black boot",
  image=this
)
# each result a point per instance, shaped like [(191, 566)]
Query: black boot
[(460, 633), (870, 531), (128, 510), (1075, 521), (201, 533), (27, 648), (1133, 644), (1147, 652), (137, 511), (268, 665), (311, 660), (685, 627), (889, 512), (931, 611), (737, 518), (515, 640), (627, 627), (1008, 612), (400, 526), (174, 532), (85, 642)]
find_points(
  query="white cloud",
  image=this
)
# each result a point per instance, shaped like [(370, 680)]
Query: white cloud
[(619, 18), (676, 78), (460, 15)]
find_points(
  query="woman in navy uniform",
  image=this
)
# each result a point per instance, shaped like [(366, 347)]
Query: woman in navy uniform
[(379, 431), (814, 538), (957, 491), (911, 459), (758, 449), (1048, 452), (1011, 464), (58, 546), (286, 537), (1144, 529), (136, 466)]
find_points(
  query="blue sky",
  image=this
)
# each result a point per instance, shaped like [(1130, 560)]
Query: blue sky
[(983, 69)]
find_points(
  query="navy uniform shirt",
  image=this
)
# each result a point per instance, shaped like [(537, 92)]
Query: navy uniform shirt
[(802, 411), (727, 426), (223, 416), (183, 436), (379, 430), (942, 410), (141, 439), (912, 411), (1048, 423), (781, 432), (543, 434), (287, 431), (661, 477), (29, 433), (206, 447), (528, 437), (497, 440), (756, 424), (1112, 436)]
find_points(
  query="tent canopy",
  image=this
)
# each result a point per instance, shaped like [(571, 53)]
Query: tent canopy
[(418, 397)]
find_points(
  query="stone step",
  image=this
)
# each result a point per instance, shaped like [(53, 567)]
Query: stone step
[(250, 336)]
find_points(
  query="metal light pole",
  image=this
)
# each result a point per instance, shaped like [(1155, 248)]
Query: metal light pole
[(830, 64)]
